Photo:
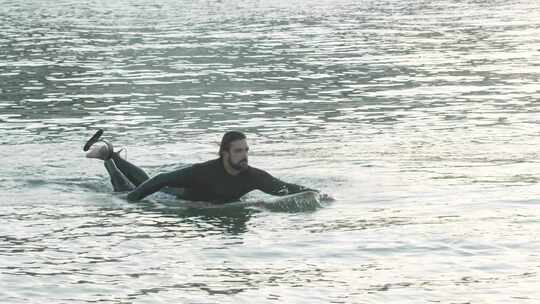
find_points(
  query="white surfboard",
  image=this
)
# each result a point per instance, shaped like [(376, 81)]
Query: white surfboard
[(303, 201)]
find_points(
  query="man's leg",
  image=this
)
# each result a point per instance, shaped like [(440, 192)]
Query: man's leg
[(133, 173), (119, 181), (125, 176), (137, 175)]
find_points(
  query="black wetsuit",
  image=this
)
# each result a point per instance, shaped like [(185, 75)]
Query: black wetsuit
[(206, 181)]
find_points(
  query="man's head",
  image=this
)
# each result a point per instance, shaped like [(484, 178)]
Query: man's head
[(234, 150)]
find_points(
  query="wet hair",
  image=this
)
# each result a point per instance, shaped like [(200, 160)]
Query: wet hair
[(227, 139)]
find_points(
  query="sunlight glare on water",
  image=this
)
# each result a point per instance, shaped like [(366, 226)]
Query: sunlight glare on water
[(419, 117)]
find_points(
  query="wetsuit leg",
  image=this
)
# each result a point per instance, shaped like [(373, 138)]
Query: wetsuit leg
[(133, 173), (119, 181)]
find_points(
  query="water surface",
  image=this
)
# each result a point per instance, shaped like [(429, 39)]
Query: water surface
[(420, 118)]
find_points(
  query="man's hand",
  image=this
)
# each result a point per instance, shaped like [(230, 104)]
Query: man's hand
[(326, 197)]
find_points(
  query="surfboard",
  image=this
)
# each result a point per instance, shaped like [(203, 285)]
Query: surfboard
[(303, 201)]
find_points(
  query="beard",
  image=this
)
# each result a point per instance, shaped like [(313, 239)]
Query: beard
[(241, 165)]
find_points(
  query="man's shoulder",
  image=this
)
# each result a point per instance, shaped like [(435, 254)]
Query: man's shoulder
[(207, 165)]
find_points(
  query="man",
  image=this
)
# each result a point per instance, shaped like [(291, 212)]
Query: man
[(220, 180)]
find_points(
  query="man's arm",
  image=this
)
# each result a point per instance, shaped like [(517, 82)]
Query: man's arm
[(179, 178), (271, 185)]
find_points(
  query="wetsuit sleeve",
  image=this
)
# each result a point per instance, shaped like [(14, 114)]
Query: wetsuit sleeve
[(271, 185), (179, 178)]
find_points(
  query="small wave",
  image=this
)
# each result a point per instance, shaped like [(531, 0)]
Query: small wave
[(98, 185)]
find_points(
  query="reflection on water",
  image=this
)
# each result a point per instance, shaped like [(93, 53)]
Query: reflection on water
[(419, 117), (322, 71)]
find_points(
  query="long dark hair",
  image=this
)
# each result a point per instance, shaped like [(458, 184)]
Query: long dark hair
[(227, 139)]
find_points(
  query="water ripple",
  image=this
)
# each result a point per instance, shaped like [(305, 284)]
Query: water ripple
[(420, 117)]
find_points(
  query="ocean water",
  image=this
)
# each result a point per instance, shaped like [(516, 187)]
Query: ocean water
[(421, 118)]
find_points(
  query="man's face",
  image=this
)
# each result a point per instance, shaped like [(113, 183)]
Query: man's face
[(237, 156)]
